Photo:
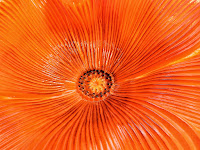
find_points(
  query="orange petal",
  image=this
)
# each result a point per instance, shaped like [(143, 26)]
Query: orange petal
[(175, 89), (149, 49), (154, 127), (152, 34), (25, 122)]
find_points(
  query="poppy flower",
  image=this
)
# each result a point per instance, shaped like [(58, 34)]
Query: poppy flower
[(99, 74)]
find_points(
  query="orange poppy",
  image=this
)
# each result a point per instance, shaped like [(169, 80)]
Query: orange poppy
[(99, 74)]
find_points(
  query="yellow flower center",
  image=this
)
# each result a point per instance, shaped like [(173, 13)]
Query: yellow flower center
[(95, 85)]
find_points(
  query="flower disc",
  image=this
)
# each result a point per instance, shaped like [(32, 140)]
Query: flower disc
[(95, 85)]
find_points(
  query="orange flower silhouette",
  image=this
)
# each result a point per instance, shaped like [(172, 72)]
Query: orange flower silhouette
[(99, 74)]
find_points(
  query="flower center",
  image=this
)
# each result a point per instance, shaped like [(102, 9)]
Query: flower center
[(95, 85)]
